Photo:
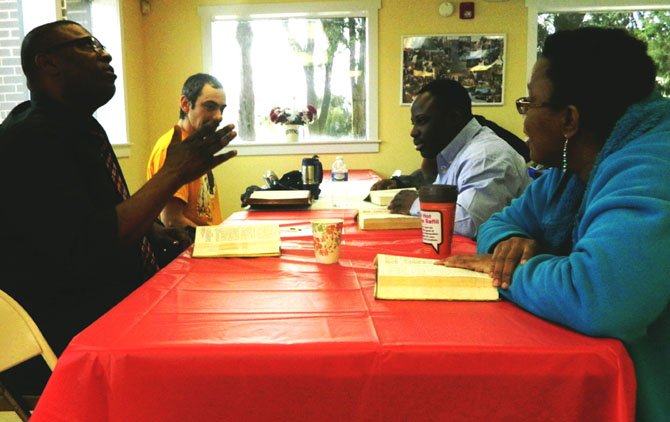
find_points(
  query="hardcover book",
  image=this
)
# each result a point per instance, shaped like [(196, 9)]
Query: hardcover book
[(371, 219), (401, 277), (280, 198), (384, 197)]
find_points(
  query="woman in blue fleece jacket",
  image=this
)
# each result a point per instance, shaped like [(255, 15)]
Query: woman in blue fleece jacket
[(588, 243)]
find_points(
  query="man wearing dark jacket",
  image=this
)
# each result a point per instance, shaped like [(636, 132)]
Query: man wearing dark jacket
[(77, 241)]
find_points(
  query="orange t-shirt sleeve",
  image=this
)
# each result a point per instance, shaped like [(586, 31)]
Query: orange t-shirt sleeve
[(157, 159)]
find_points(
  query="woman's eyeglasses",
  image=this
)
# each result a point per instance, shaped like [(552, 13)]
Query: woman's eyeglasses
[(90, 43), (523, 104)]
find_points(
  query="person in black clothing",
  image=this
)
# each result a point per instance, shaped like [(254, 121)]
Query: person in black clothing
[(77, 242), (514, 141)]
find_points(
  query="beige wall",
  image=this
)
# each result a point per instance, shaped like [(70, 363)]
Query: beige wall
[(164, 47)]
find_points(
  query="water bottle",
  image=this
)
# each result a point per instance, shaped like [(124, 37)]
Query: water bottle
[(339, 174), (339, 171)]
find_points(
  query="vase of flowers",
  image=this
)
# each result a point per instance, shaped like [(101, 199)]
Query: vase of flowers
[(292, 119)]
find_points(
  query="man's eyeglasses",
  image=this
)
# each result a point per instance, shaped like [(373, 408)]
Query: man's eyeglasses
[(89, 43), (523, 104)]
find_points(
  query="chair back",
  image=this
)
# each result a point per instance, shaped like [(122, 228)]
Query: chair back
[(20, 339)]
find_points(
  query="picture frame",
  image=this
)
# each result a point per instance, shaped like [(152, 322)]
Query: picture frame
[(477, 61)]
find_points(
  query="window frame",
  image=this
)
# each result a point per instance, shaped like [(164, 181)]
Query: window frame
[(367, 8), (112, 116), (537, 7)]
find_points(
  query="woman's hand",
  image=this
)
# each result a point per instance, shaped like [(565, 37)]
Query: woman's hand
[(507, 255), (480, 263), (501, 264)]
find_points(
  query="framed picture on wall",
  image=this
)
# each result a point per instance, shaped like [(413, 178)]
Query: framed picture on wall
[(477, 61)]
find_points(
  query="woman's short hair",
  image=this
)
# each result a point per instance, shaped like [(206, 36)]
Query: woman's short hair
[(601, 71)]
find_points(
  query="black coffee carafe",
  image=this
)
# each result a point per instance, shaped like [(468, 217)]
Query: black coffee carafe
[(312, 175)]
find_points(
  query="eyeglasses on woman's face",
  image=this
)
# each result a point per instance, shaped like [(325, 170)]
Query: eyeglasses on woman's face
[(523, 104), (89, 42)]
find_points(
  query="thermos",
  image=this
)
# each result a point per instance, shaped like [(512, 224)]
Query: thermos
[(312, 175), (438, 211)]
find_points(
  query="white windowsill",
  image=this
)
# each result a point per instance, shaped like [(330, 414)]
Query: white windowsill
[(303, 147)]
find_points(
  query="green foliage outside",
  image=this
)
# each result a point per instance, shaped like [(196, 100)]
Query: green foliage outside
[(653, 27), (339, 119)]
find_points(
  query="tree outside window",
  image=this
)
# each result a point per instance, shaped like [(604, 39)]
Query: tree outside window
[(291, 63), (291, 56), (651, 26)]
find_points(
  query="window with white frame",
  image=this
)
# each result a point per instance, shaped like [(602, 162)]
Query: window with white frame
[(648, 20), (101, 17), (290, 56)]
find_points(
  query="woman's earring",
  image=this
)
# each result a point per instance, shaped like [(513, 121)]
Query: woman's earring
[(565, 154)]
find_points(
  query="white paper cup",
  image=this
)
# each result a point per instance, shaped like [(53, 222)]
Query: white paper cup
[(327, 234)]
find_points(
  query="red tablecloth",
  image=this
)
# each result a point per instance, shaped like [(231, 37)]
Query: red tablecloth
[(286, 339)]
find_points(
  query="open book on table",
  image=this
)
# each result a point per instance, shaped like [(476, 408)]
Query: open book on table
[(401, 277), (237, 240)]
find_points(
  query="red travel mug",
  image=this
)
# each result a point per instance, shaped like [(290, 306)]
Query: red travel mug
[(438, 211)]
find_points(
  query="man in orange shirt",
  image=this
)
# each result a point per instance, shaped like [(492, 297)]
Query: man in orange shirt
[(197, 203)]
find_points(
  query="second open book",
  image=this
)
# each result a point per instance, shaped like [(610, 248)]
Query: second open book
[(401, 277), (237, 240)]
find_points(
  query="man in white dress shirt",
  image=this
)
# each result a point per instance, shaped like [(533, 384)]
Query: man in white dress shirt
[(487, 171)]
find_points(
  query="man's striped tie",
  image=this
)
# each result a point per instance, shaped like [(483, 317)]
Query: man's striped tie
[(109, 158)]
